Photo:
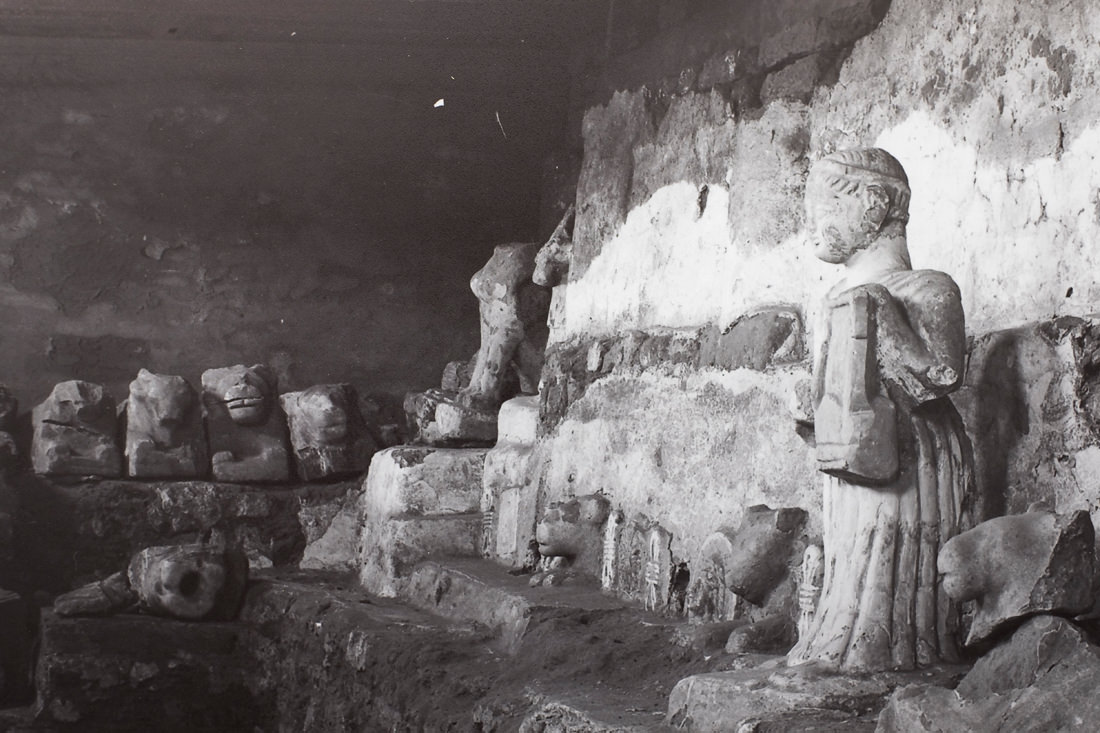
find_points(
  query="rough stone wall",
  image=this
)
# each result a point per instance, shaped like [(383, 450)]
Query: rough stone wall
[(179, 203), (690, 210)]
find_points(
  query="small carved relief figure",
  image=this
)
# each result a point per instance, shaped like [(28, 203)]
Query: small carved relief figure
[(610, 550), (553, 258), (245, 425), (327, 431), (658, 569), (74, 432), (572, 531), (896, 461), (809, 587), (164, 431)]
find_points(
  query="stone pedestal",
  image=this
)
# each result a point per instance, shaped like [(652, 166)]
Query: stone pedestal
[(418, 502), (510, 495)]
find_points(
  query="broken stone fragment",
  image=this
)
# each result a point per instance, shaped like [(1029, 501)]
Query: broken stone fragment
[(327, 431), (245, 425), (9, 409), (194, 581), (1018, 566), (165, 437), (436, 417), (100, 598), (1043, 678), (74, 432), (552, 259)]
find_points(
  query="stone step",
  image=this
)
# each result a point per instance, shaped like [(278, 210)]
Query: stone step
[(592, 714), (484, 592), (393, 547)]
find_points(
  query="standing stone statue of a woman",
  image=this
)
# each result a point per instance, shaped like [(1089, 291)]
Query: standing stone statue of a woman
[(897, 464)]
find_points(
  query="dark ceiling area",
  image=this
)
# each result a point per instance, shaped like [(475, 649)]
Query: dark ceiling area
[(357, 84)]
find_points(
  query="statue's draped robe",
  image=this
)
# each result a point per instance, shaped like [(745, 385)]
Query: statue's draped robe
[(882, 605)]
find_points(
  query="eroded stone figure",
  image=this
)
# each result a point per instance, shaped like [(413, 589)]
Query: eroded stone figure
[(1020, 565), (191, 581), (513, 325), (74, 432), (897, 463), (570, 535), (245, 426), (513, 312), (327, 431), (164, 431), (553, 258)]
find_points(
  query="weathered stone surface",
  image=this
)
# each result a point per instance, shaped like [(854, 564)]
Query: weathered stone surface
[(99, 598), (436, 417), (327, 431), (1043, 678), (762, 550), (245, 426), (338, 548), (418, 502), (70, 535), (772, 698), (897, 462), (552, 259), (165, 437), (513, 325), (573, 530), (1016, 566), (190, 582), (391, 549), (422, 480), (124, 672), (74, 432)]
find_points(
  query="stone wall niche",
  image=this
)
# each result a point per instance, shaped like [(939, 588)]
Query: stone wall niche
[(245, 425), (74, 432), (165, 437)]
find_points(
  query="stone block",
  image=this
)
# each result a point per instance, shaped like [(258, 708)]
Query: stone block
[(1016, 566), (328, 434), (458, 424), (393, 547), (518, 420), (423, 480), (516, 512), (245, 425), (1043, 678), (337, 548), (74, 432), (165, 437)]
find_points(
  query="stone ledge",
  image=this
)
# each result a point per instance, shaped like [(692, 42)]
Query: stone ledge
[(485, 593)]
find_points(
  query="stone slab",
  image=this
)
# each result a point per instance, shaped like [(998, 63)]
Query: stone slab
[(481, 591), (778, 695), (516, 515), (423, 480)]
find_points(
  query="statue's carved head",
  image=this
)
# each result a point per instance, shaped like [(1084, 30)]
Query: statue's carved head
[(320, 415), (572, 527), (247, 392), (852, 198), (75, 402), (165, 400)]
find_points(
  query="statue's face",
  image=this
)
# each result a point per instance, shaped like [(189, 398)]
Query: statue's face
[(166, 399), (323, 414), (247, 396), (834, 222)]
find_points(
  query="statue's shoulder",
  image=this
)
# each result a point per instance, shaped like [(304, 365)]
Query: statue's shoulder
[(918, 284)]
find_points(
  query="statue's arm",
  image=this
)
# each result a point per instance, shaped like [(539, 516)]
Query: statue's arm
[(921, 335)]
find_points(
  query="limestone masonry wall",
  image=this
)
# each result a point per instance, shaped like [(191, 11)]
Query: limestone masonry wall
[(689, 216)]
